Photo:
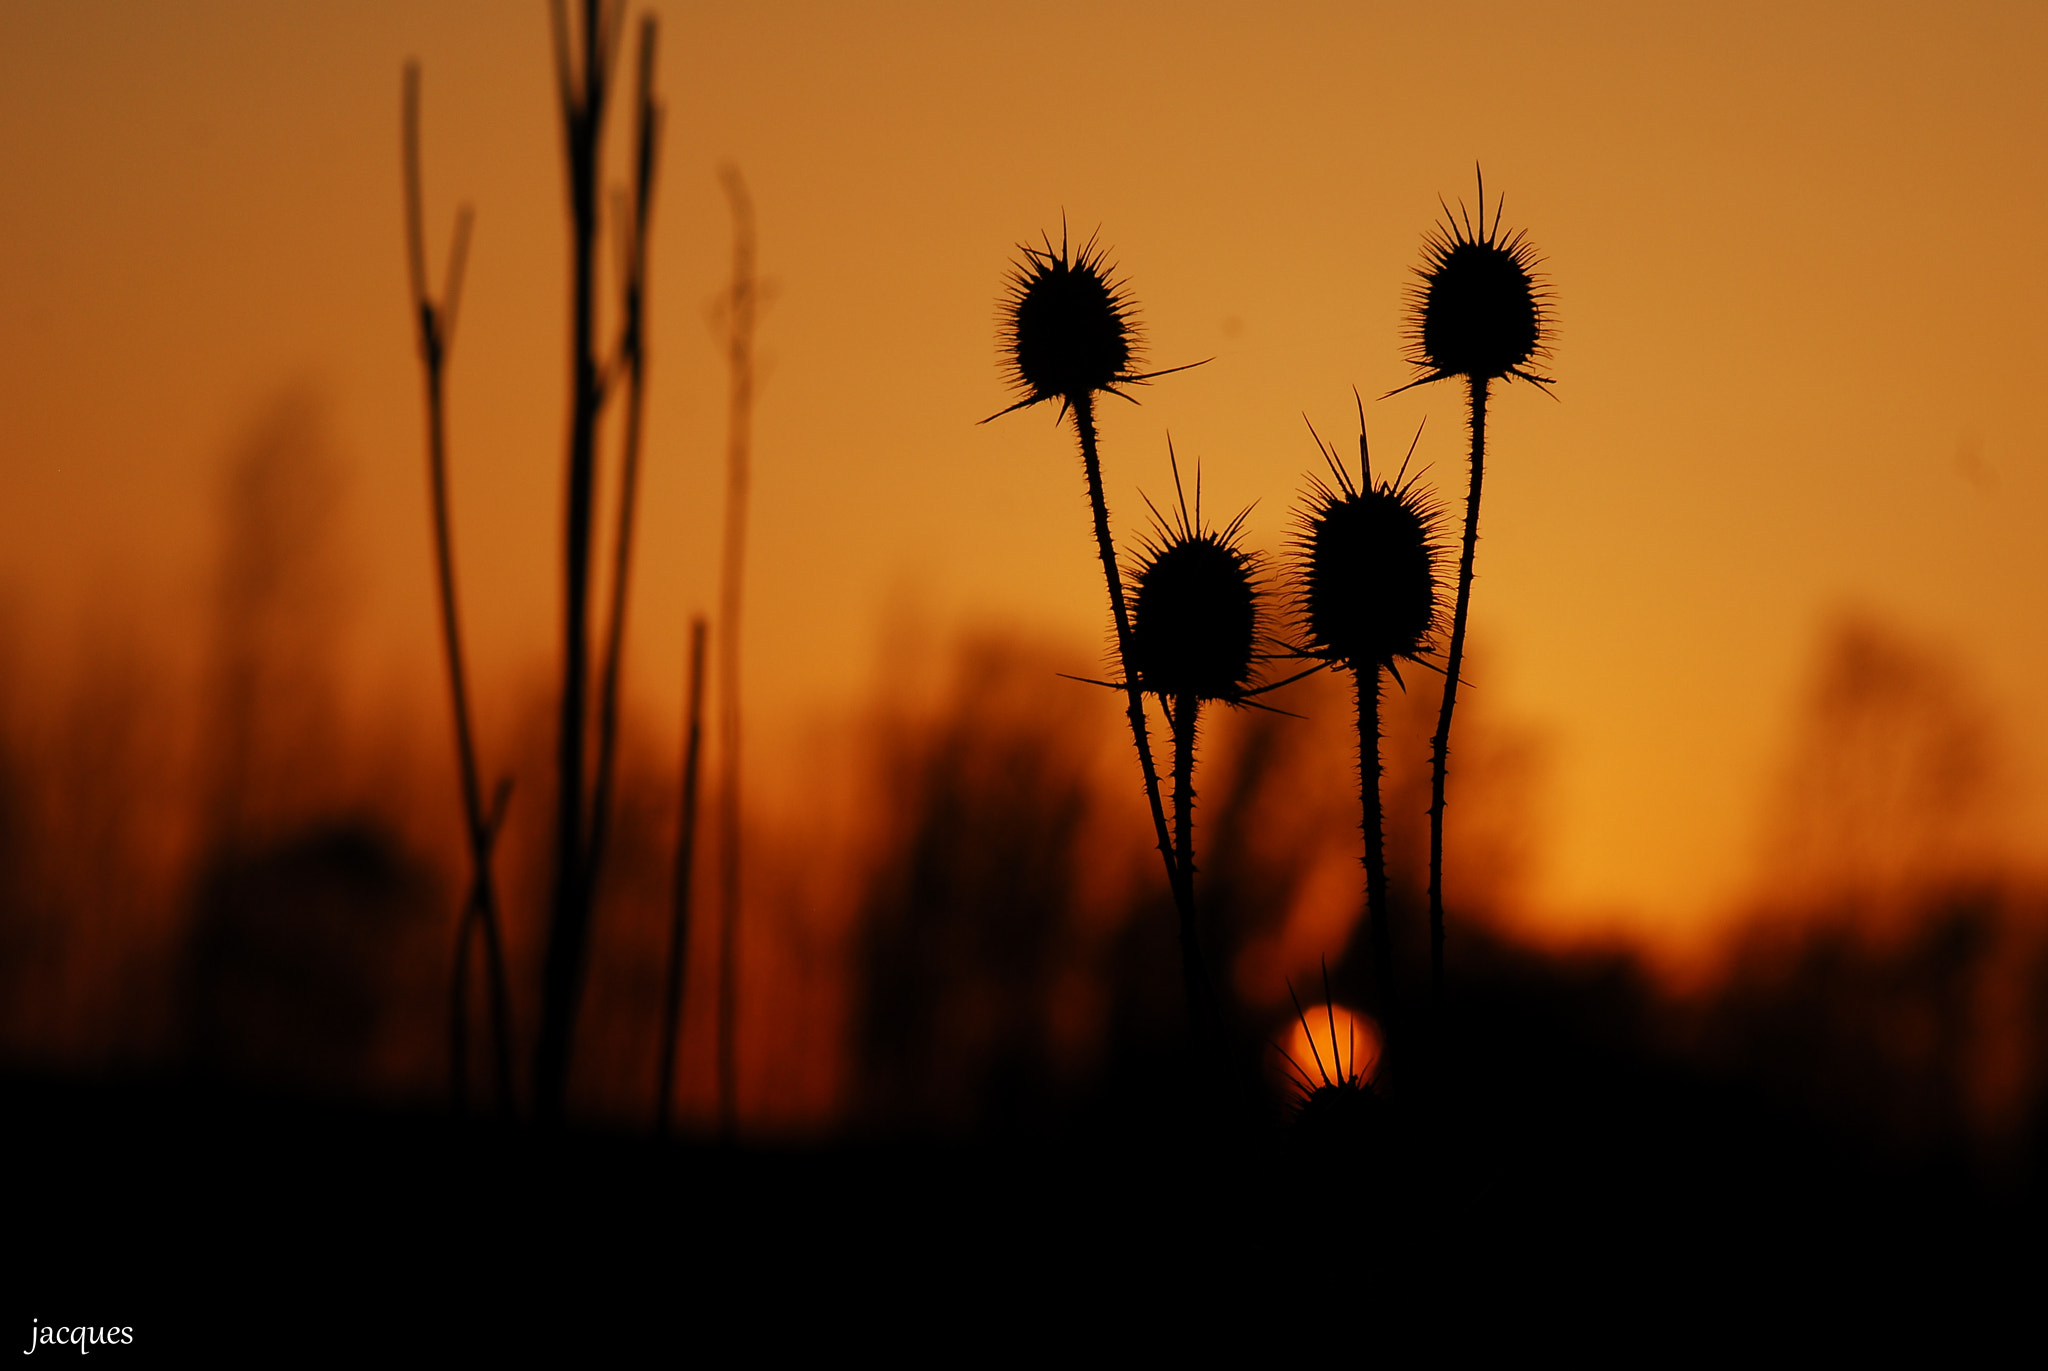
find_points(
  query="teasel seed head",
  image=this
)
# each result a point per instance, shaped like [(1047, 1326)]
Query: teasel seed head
[(1335, 1104), (1478, 309), (1068, 325), (1367, 557), (1194, 606)]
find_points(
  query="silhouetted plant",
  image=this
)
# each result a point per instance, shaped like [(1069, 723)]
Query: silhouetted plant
[(685, 879), (1194, 635), (436, 320), (1337, 1105), (740, 305), (1367, 558), (1069, 331), (1479, 312), (583, 71), (633, 218)]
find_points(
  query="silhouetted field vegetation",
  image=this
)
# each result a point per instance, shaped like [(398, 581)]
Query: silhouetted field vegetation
[(973, 950), (239, 923)]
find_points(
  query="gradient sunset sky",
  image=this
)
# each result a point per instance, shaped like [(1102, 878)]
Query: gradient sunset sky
[(1799, 256)]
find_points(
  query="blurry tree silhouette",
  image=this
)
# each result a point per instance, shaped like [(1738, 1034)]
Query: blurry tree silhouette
[(973, 921), (306, 928), (1892, 788), (311, 957), (1893, 981), (279, 595)]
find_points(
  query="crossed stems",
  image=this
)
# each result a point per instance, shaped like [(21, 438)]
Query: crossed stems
[(1178, 856), (436, 320)]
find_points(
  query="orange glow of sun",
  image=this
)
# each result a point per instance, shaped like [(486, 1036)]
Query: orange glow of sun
[(1327, 1044)]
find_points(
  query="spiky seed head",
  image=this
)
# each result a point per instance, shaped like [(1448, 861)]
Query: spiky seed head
[(1194, 617), (1341, 1111), (1335, 1105), (1478, 309), (1368, 570), (1194, 604), (1068, 325)]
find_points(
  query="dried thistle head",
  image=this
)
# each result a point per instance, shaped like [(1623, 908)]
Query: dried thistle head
[(1194, 607), (1068, 325), (1478, 309), (1367, 556), (1336, 1104)]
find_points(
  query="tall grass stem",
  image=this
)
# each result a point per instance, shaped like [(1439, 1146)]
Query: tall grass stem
[(436, 321), (685, 879), (584, 90), (740, 315), (632, 360)]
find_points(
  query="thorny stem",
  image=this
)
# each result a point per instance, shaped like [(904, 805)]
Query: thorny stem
[(1377, 914), (686, 863), (436, 329), (1440, 753), (1084, 422), (1182, 715)]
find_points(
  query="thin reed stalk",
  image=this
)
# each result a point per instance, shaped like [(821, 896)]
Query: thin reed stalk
[(740, 312), (583, 82), (685, 878), (436, 320), (632, 360)]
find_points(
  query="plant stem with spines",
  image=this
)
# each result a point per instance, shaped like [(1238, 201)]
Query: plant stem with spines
[(1373, 823), (1440, 753), (1192, 969), (1183, 716)]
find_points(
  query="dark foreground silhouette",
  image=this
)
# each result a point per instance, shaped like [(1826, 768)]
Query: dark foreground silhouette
[(1571, 1163)]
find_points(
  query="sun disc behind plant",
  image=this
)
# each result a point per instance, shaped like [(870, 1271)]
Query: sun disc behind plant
[(1328, 1069)]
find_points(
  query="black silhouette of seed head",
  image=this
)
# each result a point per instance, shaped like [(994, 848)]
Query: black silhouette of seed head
[(1340, 1111), (1194, 608), (1336, 1106), (1069, 326), (1367, 559), (1478, 309)]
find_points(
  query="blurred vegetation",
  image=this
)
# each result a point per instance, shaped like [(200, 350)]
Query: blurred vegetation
[(257, 890)]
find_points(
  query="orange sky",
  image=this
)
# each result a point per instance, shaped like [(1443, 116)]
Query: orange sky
[(1797, 253)]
